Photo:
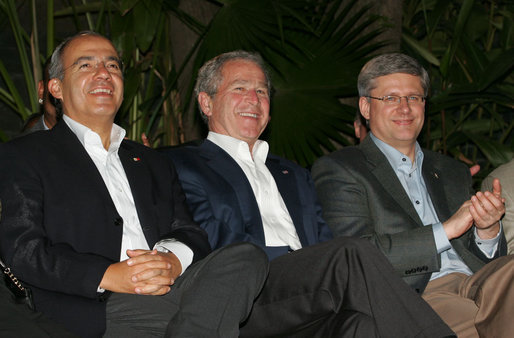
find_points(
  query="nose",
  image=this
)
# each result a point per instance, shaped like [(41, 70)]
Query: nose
[(101, 71), (252, 97), (404, 104)]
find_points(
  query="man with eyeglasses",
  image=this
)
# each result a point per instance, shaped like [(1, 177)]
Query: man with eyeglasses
[(418, 207)]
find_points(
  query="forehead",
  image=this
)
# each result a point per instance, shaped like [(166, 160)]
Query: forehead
[(91, 46), (398, 81), (242, 70)]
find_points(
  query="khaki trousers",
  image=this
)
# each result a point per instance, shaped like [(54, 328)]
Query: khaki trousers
[(480, 305)]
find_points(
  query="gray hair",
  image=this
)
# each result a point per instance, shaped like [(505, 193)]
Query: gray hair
[(56, 67), (210, 76), (390, 64)]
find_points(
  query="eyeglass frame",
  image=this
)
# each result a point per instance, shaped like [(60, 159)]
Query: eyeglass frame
[(423, 99)]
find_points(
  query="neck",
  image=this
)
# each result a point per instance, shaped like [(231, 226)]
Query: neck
[(50, 120), (409, 151), (101, 126)]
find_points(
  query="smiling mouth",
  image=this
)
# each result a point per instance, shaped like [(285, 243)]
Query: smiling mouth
[(101, 90), (403, 122), (248, 115)]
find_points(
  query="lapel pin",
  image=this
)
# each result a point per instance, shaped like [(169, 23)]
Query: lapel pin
[(436, 176), (285, 172), (136, 159)]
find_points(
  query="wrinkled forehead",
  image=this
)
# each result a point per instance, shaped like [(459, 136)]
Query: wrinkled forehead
[(92, 47)]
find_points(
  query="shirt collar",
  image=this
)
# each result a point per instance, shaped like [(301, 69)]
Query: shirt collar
[(88, 136), (240, 149), (395, 157)]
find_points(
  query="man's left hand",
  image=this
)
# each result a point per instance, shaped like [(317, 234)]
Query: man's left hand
[(487, 209), (154, 276)]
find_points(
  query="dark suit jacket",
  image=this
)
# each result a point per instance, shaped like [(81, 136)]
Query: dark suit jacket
[(362, 196), (223, 203), (60, 229)]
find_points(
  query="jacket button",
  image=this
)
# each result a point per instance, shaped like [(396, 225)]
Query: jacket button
[(118, 221)]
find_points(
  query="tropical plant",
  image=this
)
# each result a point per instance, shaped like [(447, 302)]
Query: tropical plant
[(468, 49), (314, 49), (139, 29)]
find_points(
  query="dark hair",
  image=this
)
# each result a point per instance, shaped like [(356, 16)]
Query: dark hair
[(56, 65), (210, 76), (390, 64)]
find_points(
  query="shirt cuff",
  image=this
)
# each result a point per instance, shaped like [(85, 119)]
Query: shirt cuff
[(179, 249), (441, 239), (488, 246)]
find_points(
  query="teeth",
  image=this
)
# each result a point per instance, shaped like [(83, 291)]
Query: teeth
[(248, 115), (107, 91)]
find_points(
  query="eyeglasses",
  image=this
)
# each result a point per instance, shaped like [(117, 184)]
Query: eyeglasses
[(396, 100)]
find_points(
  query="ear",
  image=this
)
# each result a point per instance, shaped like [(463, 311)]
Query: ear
[(364, 107), (41, 89), (55, 88), (357, 129), (205, 103)]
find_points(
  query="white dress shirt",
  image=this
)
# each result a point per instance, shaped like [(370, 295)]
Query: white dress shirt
[(109, 165), (279, 229)]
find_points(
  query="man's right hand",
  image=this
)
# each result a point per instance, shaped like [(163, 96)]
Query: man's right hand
[(119, 277), (459, 223)]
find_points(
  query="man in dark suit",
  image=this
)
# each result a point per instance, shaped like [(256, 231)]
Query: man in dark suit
[(239, 192), (417, 206), (97, 225), (214, 184)]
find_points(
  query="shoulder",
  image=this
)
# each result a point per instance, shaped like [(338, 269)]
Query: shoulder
[(29, 145), (349, 157), (272, 158), (184, 157), (503, 171), (443, 162)]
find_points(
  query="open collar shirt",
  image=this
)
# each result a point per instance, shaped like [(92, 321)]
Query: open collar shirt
[(111, 169), (279, 229), (411, 178)]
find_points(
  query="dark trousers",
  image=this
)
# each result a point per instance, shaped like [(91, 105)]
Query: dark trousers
[(210, 299), (17, 320), (341, 288)]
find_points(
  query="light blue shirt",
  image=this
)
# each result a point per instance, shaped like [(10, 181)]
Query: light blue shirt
[(411, 178)]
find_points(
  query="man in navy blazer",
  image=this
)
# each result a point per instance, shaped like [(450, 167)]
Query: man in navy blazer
[(97, 226), (238, 192), (224, 202)]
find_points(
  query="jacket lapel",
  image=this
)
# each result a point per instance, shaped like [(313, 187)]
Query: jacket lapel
[(225, 166), (140, 180), (286, 184), (435, 188), (68, 146), (380, 167)]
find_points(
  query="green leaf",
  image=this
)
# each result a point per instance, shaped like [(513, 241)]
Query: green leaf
[(420, 49)]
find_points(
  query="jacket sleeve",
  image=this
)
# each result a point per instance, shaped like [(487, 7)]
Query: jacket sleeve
[(353, 206), (183, 227), (24, 241)]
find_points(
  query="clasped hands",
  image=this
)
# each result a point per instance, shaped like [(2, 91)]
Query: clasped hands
[(484, 209), (146, 272)]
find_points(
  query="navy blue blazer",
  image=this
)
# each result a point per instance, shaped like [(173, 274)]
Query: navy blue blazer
[(222, 200)]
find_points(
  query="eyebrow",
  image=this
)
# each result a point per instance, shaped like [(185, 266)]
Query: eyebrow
[(240, 81), (90, 58)]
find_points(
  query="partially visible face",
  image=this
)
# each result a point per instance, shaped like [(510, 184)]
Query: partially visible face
[(92, 87), (396, 125), (240, 108)]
